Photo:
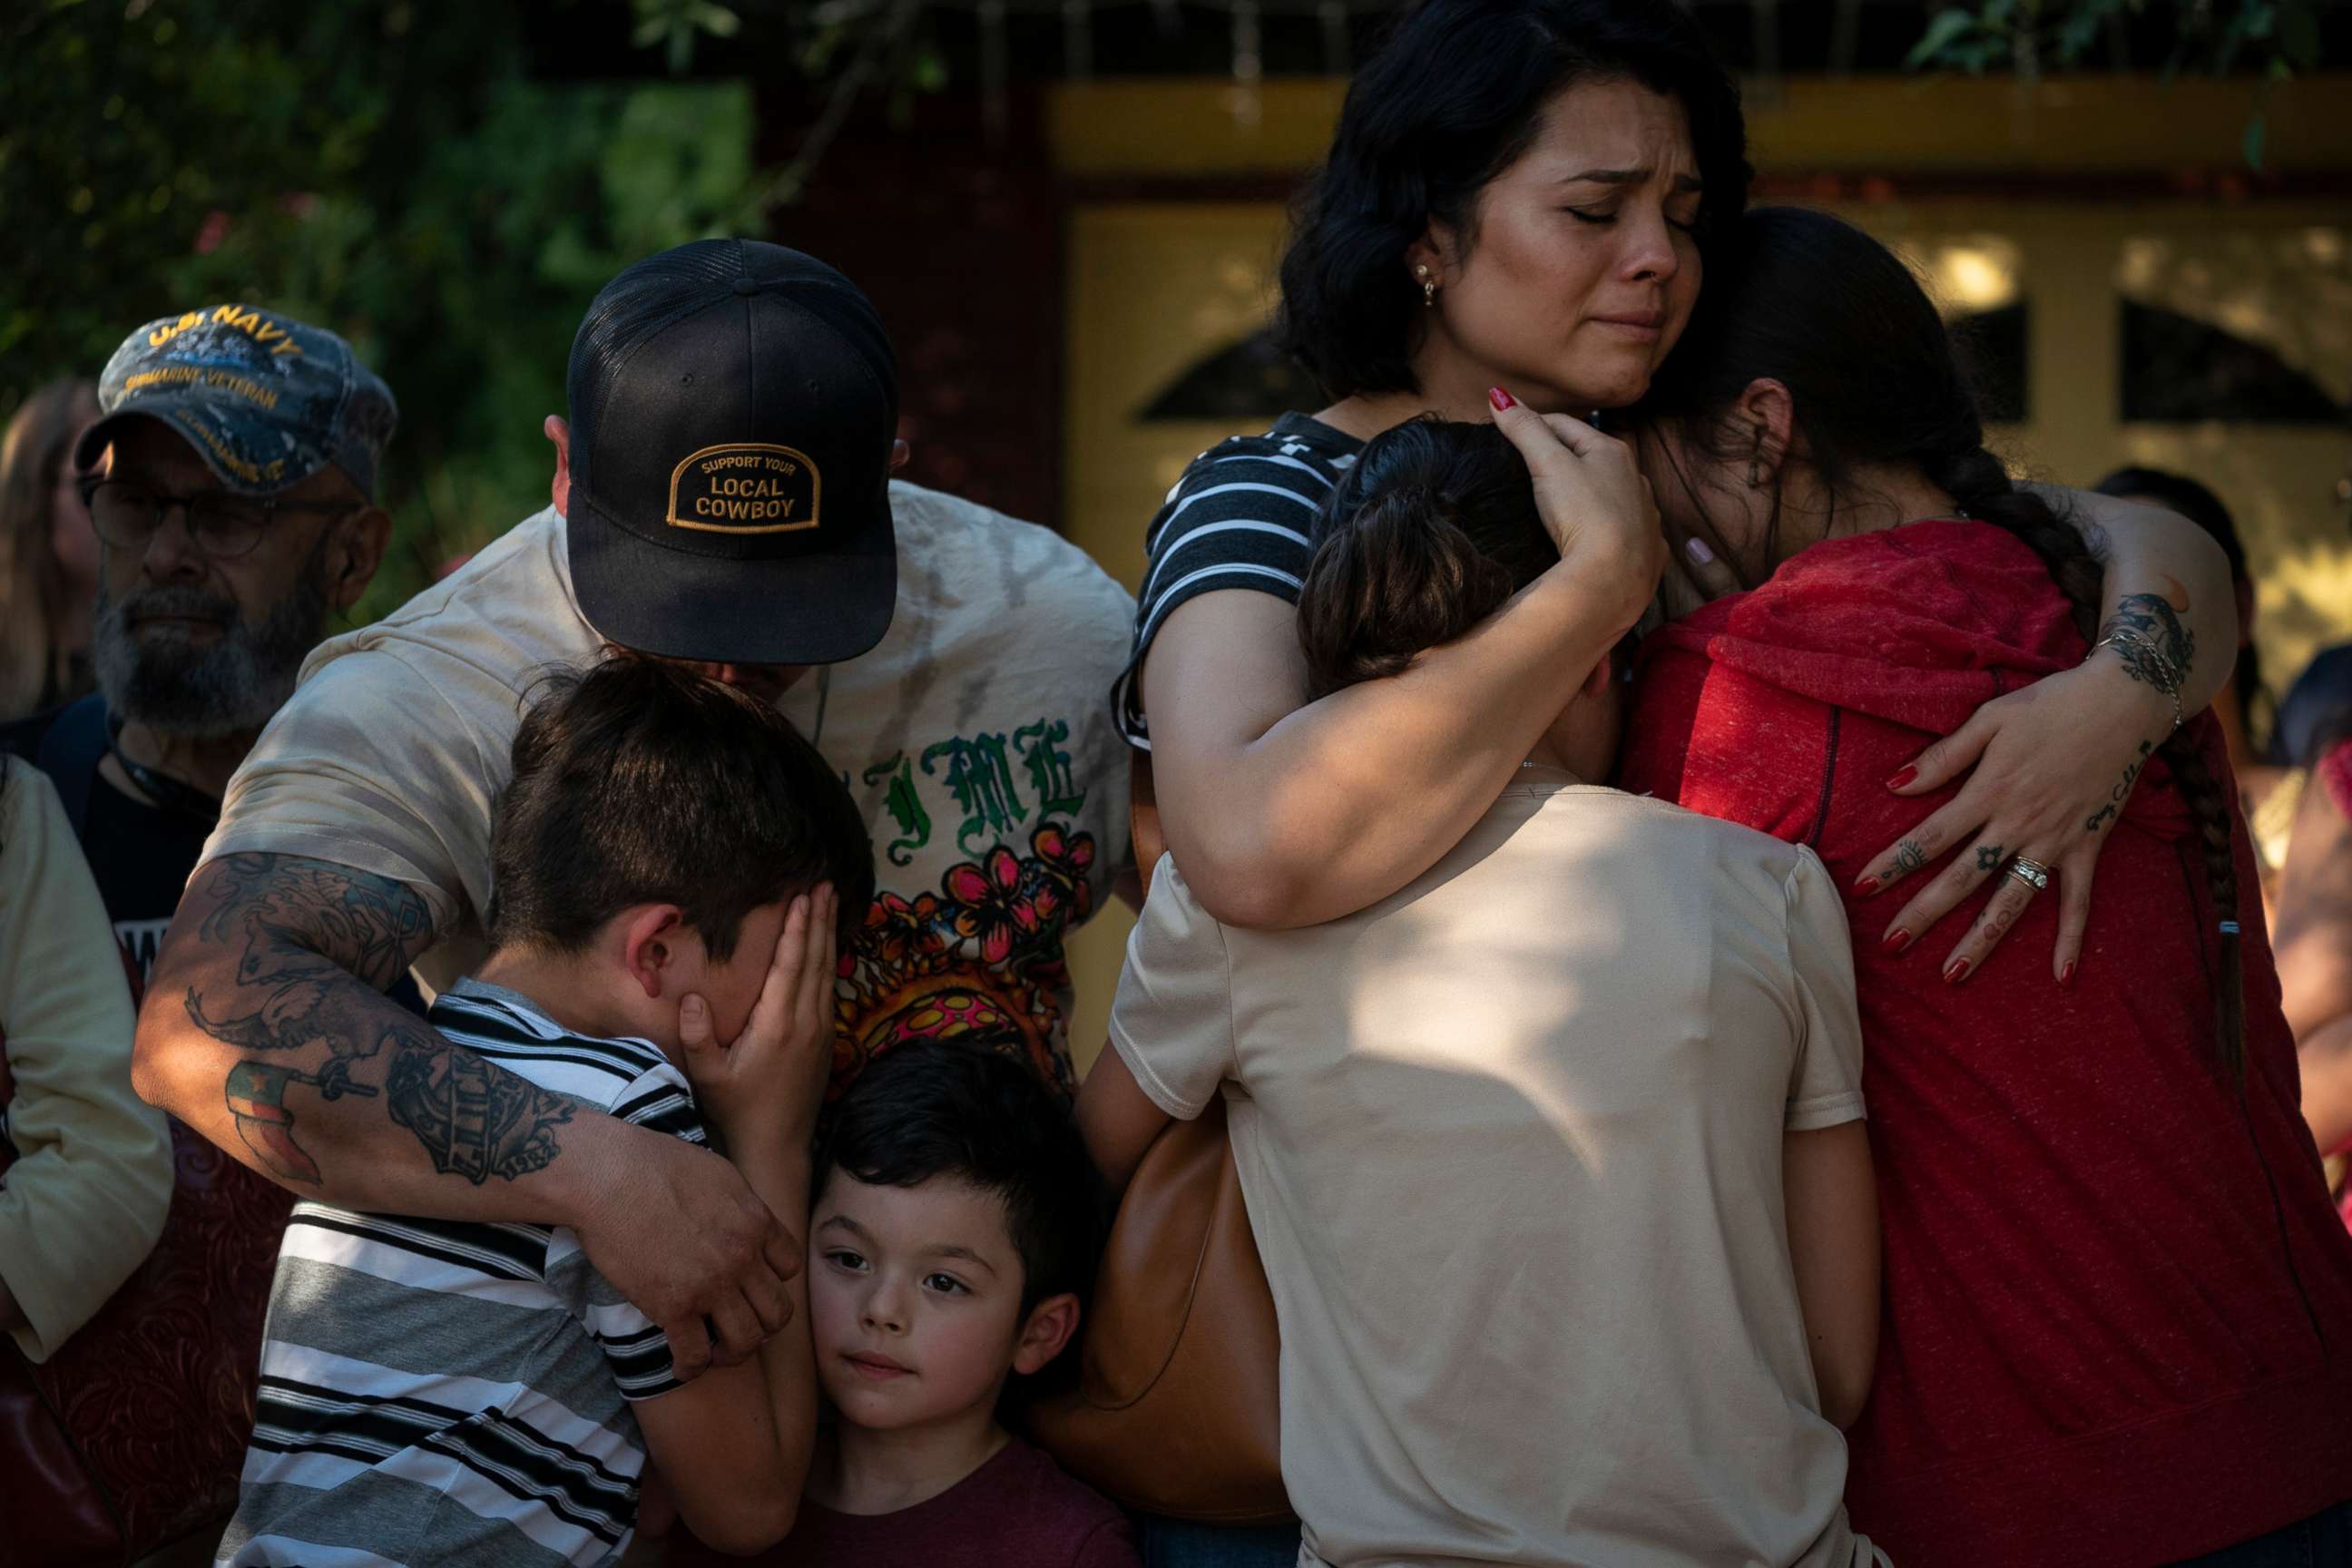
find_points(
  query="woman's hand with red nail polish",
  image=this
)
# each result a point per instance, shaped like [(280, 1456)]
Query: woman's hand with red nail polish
[(1593, 500), (2041, 775)]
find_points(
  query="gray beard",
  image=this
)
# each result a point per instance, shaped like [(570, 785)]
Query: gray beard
[(232, 687)]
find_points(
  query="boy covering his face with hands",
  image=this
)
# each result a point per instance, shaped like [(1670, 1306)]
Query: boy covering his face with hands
[(670, 861)]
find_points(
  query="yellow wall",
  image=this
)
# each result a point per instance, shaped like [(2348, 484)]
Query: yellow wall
[(1154, 285), (1192, 128), (2277, 274)]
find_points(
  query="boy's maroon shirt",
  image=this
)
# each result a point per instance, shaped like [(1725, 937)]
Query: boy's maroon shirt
[(1017, 1510), (2118, 1319)]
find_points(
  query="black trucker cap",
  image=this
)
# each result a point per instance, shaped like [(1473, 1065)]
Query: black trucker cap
[(733, 404)]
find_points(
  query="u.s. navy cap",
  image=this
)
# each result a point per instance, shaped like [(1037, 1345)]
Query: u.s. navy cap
[(266, 400), (733, 404)]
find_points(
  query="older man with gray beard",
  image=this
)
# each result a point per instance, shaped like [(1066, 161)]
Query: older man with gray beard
[(231, 482)]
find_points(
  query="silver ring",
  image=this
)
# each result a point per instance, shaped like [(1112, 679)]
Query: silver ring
[(2033, 873)]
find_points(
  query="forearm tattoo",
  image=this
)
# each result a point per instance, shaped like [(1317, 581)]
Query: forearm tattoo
[(2148, 637), (475, 1119), (314, 946)]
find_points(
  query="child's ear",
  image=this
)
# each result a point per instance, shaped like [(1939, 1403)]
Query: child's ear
[(1051, 1323), (651, 947)]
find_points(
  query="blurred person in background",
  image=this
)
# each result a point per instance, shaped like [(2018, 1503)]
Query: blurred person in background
[(230, 488), (2311, 922), (2307, 716), (2313, 933), (49, 557)]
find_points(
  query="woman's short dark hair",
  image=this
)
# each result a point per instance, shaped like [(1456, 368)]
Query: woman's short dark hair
[(638, 781), (1451, 100), (1431, 531)]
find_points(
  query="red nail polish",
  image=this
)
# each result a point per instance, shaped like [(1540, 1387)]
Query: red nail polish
[(1501, 399), (1956, 972), (2066, 975), (1867, 887), (1907, 773), (1896, 941)]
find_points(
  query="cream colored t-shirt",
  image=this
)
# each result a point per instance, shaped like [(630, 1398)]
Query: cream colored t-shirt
[(977, 736), (1511, 1141), (84, 1202)]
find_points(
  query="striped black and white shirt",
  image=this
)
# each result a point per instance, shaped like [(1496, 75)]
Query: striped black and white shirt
[(1243, 516), (435, 1392)]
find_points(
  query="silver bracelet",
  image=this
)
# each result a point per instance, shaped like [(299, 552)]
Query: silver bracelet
[(2161, 672)]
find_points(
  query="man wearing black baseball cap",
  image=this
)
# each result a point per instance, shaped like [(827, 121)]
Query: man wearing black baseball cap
[(733, 410), (722, 497)]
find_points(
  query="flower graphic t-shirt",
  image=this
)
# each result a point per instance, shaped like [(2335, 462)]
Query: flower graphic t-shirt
[(976, 734)]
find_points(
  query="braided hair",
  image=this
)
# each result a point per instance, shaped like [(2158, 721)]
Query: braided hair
[(1877, 379)]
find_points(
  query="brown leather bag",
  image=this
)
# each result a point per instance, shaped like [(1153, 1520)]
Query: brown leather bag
[(1175, 1409)]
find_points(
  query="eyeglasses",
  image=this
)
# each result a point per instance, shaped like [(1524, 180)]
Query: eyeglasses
[(127, 512)]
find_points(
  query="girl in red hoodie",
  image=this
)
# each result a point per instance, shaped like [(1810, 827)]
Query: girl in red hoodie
[(2118, 1307)]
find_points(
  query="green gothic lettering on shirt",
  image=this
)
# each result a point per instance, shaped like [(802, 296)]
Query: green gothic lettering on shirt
[(981, 779), (979, 776), (905, 806), (1059, 794)]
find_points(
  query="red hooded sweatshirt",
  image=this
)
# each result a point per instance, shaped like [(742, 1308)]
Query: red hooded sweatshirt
[(2118, 1304)]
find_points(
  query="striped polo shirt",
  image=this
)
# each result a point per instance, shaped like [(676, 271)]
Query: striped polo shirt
[(1242, 516), (435, 1392)]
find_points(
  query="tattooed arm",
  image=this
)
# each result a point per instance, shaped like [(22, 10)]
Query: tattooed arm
[(266, 1030), (2164, 568)]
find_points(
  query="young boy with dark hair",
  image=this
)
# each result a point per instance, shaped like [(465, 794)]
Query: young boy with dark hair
[(953, 1232), (672, 861)]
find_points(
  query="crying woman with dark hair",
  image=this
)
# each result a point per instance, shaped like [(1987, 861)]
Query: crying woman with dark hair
[(1523, 198), (2118, 1309), (1554, 1158)]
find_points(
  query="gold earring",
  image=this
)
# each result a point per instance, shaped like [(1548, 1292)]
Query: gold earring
[(1428, 288)]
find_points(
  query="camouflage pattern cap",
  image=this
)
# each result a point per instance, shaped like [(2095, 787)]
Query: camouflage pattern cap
[(266, 400)]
